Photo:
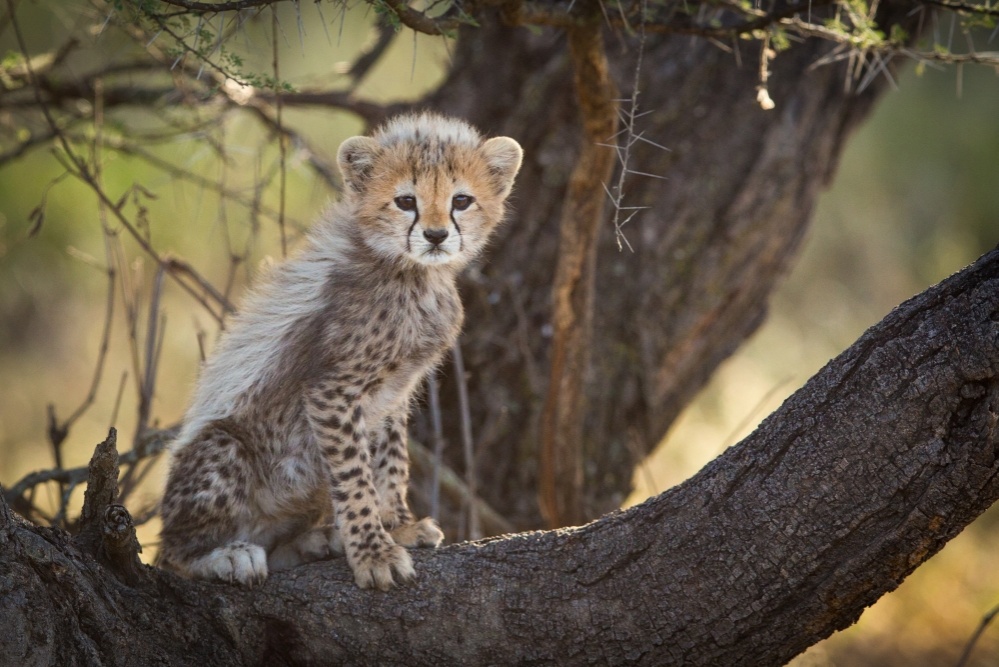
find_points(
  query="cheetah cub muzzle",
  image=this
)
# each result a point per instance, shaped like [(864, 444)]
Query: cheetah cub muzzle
[(295, 443)]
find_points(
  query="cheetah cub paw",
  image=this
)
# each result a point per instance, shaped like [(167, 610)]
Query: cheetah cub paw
[(312, 545), (423, 533), (239, 562), (382, 566)]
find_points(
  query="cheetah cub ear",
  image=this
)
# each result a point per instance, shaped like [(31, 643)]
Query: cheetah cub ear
[(356, 158), (503, 155)]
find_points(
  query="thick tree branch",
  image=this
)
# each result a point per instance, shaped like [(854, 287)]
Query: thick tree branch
[(863, 474)]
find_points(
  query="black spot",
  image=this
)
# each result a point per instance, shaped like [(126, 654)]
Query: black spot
[(349, 452), (349, 474), (332, 421), (365, 511)]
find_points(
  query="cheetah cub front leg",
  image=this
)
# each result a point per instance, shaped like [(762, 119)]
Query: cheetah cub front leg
[(376, 559), (391, 474)]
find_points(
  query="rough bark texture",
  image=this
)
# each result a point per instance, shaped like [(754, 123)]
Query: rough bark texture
[(721, 231), (869, 469)]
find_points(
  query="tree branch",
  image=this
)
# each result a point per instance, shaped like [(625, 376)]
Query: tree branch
[(863, 474), (560, 475)]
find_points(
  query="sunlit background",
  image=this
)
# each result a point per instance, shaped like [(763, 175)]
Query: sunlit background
[(916, 198)]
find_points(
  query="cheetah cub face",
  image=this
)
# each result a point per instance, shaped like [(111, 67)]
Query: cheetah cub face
[(428, 189)]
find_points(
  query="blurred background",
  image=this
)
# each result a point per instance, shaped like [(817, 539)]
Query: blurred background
[(916, 198)]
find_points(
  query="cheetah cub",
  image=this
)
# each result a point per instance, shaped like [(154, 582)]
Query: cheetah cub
[(295, 444)]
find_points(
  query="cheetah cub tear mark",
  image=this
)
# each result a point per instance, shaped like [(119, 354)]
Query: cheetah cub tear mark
[(294, 446)]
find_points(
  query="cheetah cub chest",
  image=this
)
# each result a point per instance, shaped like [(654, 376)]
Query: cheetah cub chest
[(295, 443)]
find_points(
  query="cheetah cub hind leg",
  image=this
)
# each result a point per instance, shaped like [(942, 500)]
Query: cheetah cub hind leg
[(423, 533), (316, 544), (240, 562)]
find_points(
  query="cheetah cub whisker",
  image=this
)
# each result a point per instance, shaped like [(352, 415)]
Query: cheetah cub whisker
[(294, 446)]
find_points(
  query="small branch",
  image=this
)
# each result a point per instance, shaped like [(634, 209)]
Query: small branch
[(372, 112), (976, 635), (281, 138), (420, 22), (433, 394), (457, 491), (215, 7), (371, 55), (968, 7), (474, 527), (151, 444)]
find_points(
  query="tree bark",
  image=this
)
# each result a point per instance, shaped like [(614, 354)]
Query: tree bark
[(720, 232), (863, 474)]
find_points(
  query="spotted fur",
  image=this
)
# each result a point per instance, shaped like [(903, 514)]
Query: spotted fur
[(295, 444)]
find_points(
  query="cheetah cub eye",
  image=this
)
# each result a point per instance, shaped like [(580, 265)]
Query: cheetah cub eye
[(461, 202), (406, 202)]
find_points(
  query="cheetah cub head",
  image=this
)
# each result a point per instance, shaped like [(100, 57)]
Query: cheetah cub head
[(427, 189)]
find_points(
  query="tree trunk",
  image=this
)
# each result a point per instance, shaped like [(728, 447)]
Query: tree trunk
[(721, 230), (887, 453)]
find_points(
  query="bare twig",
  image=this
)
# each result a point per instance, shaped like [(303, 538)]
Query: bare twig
[(457, 491), (154, 339), (474, 524), (433, 392), (282, 150), (630, 139), (150, 444), (372, 54), (976, 635)]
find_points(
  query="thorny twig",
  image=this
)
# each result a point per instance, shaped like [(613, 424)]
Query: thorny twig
[(623, 148)]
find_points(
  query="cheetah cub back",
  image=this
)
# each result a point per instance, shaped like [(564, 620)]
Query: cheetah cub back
[(295, 443)]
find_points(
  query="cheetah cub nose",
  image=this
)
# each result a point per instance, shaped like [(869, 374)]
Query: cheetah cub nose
[(435, 236)]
